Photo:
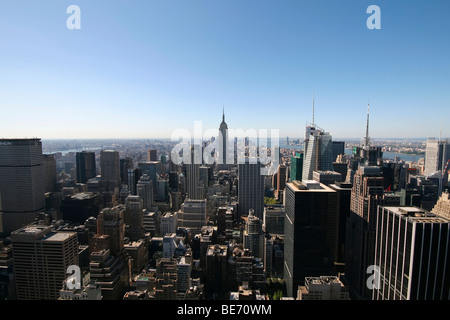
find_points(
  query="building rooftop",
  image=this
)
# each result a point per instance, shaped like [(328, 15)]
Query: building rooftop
[(329, 172), (58, 236), (321, 280), (217, 249), (308, 186), (418, 215), (83, 195)]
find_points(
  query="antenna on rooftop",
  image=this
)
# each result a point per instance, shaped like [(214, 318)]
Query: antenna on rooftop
[(367, 125)]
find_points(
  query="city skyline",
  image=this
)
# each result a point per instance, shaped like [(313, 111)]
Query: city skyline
[(147, 69)]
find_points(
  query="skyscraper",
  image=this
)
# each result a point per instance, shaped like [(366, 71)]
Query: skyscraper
[(412, 254), (250, 188), (152, 169), (110, 222), (41, 259), (133, 218), (49, 172), (281, 180), (318, 152), (85, 163), (367, 193), (344, 195), (110, 167), (194, 186), (192, 215), (223, 145), (125, 165), (437, 155), (367, 154), (133, 177), (310, 232), (144, 189), (253, 236), (152, 155), (22, 182), (296, 168), (338, 149)]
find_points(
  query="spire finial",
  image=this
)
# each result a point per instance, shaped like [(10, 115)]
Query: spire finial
[(223, 113), (367, 125)]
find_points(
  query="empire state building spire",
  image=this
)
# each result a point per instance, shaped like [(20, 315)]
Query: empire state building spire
[(223, 141), (367, 139)]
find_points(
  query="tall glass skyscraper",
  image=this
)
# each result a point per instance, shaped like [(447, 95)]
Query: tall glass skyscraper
[(412, 254), (318, 152), (250, 188), (22, 182), (437, 155), (85, 166), (110, 166), (310, 232)]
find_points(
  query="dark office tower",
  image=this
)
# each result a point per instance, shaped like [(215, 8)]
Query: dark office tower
[(296, 168), (338, 148), (318, 152), (133, 177), (144, 190), (436, 156), (412, 254), (273, 221), (367, 154), (85, 166), (152, 169), (110, 167), (344, 195), (134, 218), (216, 271), (152, 155), (310, 232), (110, 222), (41, 259), (49, 172), (281, 180), (194, 186), (204, 177), (250, 188), (81, 206), (22, 182), (366, 195), (125, 165), (173, 180)]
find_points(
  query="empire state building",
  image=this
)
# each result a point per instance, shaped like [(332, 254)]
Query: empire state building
[(223, 144)]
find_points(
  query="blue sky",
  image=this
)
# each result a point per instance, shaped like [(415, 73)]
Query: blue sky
[(144, 68)]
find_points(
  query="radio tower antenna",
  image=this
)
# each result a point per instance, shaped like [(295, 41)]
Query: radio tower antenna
[(367, 126)]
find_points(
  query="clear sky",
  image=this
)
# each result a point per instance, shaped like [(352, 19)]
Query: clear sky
[(143, 68)]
